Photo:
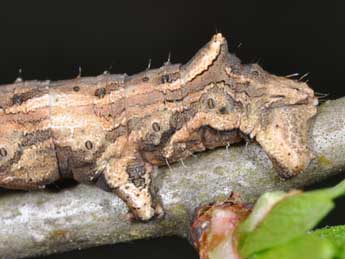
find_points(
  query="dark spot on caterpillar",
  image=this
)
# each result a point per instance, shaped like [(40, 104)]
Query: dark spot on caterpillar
[(211, 103), (135, 171), (17, 99), (3, 152), (156, 127), (100, 92), (146, 79), (76, 88), (222, 110), (88, 145), (165, 79), (139, 182)]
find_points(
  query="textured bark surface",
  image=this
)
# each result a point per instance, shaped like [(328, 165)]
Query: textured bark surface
[(42, 223)]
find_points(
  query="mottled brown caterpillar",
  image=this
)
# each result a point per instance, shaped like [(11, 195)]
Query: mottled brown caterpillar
[(115, 128)]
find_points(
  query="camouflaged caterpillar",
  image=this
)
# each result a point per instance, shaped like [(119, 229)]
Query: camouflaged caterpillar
[(116, 128)]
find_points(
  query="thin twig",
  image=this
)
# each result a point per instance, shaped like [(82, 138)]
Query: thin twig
[(40, 222)]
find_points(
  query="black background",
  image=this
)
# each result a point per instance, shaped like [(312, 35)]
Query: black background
[(52, 39)]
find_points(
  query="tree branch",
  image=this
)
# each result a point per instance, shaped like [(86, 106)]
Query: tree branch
[(42, 222)]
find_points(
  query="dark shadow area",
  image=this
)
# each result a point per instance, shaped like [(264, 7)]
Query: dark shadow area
[(167, 247), (52, 39), (336, 216), (60, 185)]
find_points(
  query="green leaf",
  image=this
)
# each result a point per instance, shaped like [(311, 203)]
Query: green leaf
[(262, 207), (331, 193), (304, 247), (336, 235), (289, 218)]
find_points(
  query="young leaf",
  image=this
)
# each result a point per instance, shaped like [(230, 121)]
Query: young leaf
[(336, 235), (262, 207), (288, 219), (304, 247)]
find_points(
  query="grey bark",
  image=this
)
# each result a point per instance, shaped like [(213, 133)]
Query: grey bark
[(37, 223)]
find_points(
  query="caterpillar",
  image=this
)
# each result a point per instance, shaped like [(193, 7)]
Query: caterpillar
[(112, 130)]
